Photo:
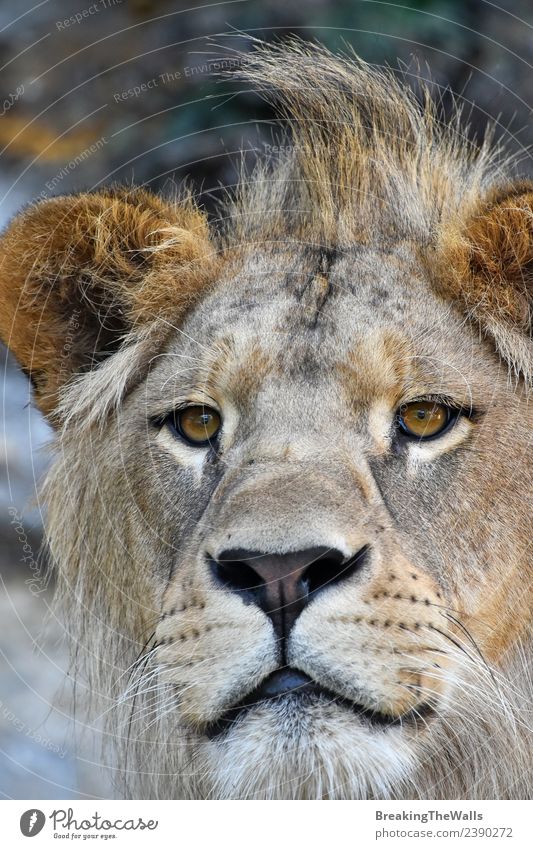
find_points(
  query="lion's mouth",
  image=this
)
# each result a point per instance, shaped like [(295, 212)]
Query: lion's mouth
[(291, 682)]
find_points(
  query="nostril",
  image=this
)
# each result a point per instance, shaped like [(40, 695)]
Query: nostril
[(236, 575), (333, 568)]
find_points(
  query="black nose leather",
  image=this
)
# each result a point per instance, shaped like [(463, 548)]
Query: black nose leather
[(283, 584)]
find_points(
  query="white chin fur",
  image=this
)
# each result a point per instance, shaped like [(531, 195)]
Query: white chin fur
[(279, 752)]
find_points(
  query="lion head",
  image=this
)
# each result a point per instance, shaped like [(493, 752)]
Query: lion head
[(290, 504)]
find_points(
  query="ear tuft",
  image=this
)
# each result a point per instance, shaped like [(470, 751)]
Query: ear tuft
[(79, 273)]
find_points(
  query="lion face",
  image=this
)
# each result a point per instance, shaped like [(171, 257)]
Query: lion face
[(290, 507), (320, 566)]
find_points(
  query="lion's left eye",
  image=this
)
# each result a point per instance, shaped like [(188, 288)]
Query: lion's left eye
[(197, 425), (425, 419)]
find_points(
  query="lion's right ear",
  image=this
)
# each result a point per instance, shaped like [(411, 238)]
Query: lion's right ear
[(92, 268), (486, 267)]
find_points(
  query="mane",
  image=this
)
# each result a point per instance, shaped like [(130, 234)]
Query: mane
[(363, 157)]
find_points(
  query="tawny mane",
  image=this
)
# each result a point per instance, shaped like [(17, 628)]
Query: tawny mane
[(366, 157)]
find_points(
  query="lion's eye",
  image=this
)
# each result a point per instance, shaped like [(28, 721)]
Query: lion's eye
[(197, 425), (424, 419)]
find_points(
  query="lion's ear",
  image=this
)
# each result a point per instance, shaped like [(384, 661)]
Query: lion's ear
[(79, 273), (487, 265)]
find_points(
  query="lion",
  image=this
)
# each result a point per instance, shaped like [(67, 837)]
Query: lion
[(289, 508)]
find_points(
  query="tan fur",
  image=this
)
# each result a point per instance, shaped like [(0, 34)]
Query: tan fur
[(383, 260)]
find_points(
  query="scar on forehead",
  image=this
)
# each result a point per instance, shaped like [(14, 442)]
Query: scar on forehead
[(314, 297)]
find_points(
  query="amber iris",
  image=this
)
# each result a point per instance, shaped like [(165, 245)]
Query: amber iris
[(197, 424), (423, 419)]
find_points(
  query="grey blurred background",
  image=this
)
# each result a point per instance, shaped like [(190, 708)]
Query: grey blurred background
[(127, 90)]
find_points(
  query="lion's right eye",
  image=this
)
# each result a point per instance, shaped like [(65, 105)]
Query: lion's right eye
[(197, 425)]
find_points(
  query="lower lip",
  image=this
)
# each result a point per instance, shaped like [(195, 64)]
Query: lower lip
[(293, 684)]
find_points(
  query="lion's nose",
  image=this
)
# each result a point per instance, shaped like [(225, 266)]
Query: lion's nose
[(283, 584)]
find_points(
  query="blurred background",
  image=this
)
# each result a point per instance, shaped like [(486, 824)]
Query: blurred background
[(128, 90)]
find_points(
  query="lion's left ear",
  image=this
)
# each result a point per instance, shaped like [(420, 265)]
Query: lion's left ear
[(487, 266)]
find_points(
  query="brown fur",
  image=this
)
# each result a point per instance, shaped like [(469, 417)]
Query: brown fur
[(487, 263), (87, 264)]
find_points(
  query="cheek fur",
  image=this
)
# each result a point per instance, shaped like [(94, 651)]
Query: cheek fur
[(185, 455)]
